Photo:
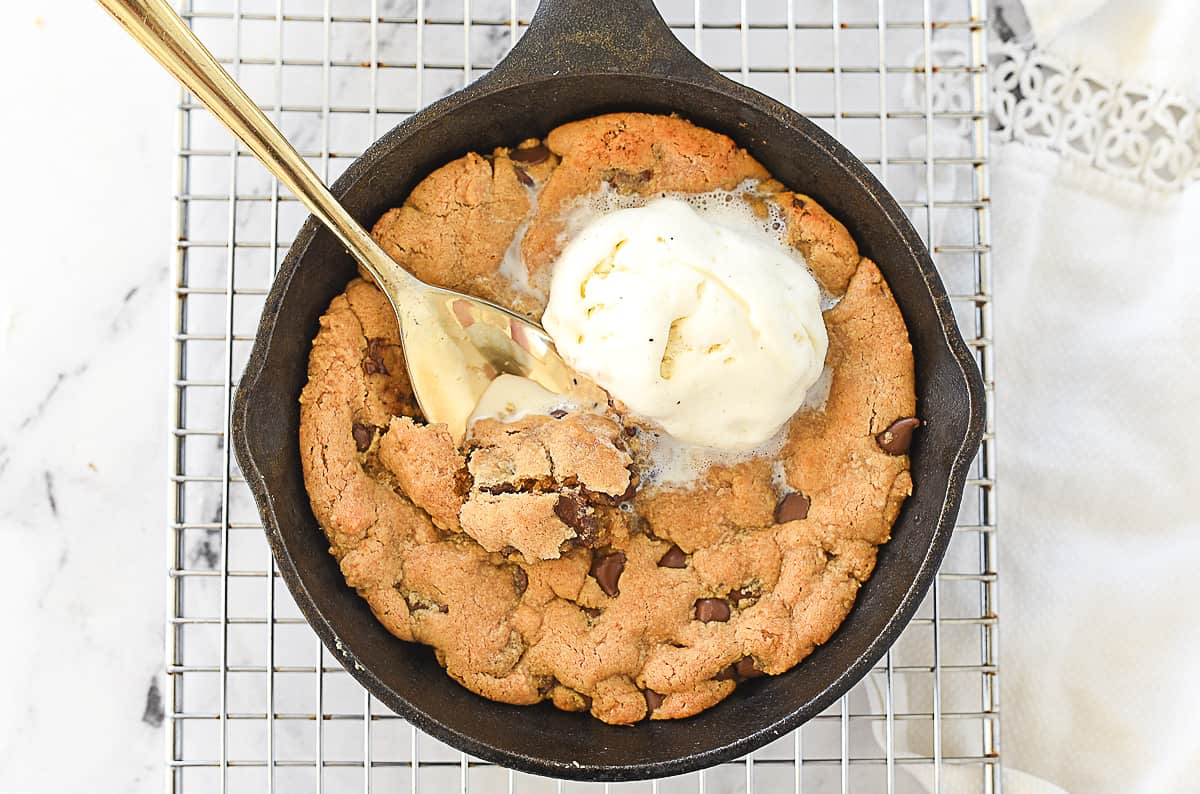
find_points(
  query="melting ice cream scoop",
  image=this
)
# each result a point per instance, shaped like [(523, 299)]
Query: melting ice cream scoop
[(712, 329)]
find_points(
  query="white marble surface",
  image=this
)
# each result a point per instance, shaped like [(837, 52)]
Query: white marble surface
[(83, 309), (83, 403)]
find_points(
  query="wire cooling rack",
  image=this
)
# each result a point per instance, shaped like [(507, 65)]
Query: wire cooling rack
[(255, 703)]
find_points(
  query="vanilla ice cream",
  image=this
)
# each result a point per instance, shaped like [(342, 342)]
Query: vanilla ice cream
[(510, 398), (707, 326)]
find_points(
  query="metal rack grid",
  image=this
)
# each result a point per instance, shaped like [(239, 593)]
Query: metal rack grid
[(255, 703)]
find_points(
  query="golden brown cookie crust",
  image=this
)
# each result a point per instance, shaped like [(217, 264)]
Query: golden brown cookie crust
[(531, 559)]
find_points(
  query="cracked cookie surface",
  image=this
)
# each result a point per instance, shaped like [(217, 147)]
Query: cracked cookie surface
[(534, 558)]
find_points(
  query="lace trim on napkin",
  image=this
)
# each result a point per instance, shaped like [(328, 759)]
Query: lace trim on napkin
[(1131, 131)]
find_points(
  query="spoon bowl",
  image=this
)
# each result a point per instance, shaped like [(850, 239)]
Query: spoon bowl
[(479, 338)]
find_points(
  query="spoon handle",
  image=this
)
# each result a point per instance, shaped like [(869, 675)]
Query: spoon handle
[(156, 26)]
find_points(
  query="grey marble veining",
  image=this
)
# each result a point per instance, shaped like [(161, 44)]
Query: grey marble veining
[(83, 289)]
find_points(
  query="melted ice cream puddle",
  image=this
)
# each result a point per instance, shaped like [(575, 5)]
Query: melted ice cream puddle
[(512, 265)]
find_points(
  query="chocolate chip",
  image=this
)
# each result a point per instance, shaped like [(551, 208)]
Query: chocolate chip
[(417, 603), (653, 700), (742, 594), (745, 668), (628, 179), (798, 202), (499, 488), (607, 570), (727, 673), (710, 610), (573, 510), (520, 580), (522, 177), (569, 507), (546, 685), (374, 363), (363, 436), (739, 671), (674, 558), (558, 413), (629, 493), (792, 507), (532, 155), (897, 438), (631, 430), (592, 612)]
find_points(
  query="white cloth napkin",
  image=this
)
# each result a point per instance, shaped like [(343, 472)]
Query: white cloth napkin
[(1097, 388), (1148, 41), (1097, 330), (1095, 187)]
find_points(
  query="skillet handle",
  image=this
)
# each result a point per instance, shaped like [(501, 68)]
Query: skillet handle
[(590, 36)]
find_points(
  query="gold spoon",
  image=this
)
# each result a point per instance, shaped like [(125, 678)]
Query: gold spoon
[(454, 344)]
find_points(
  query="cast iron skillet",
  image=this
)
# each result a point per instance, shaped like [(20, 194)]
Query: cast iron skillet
[(580, 58)]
